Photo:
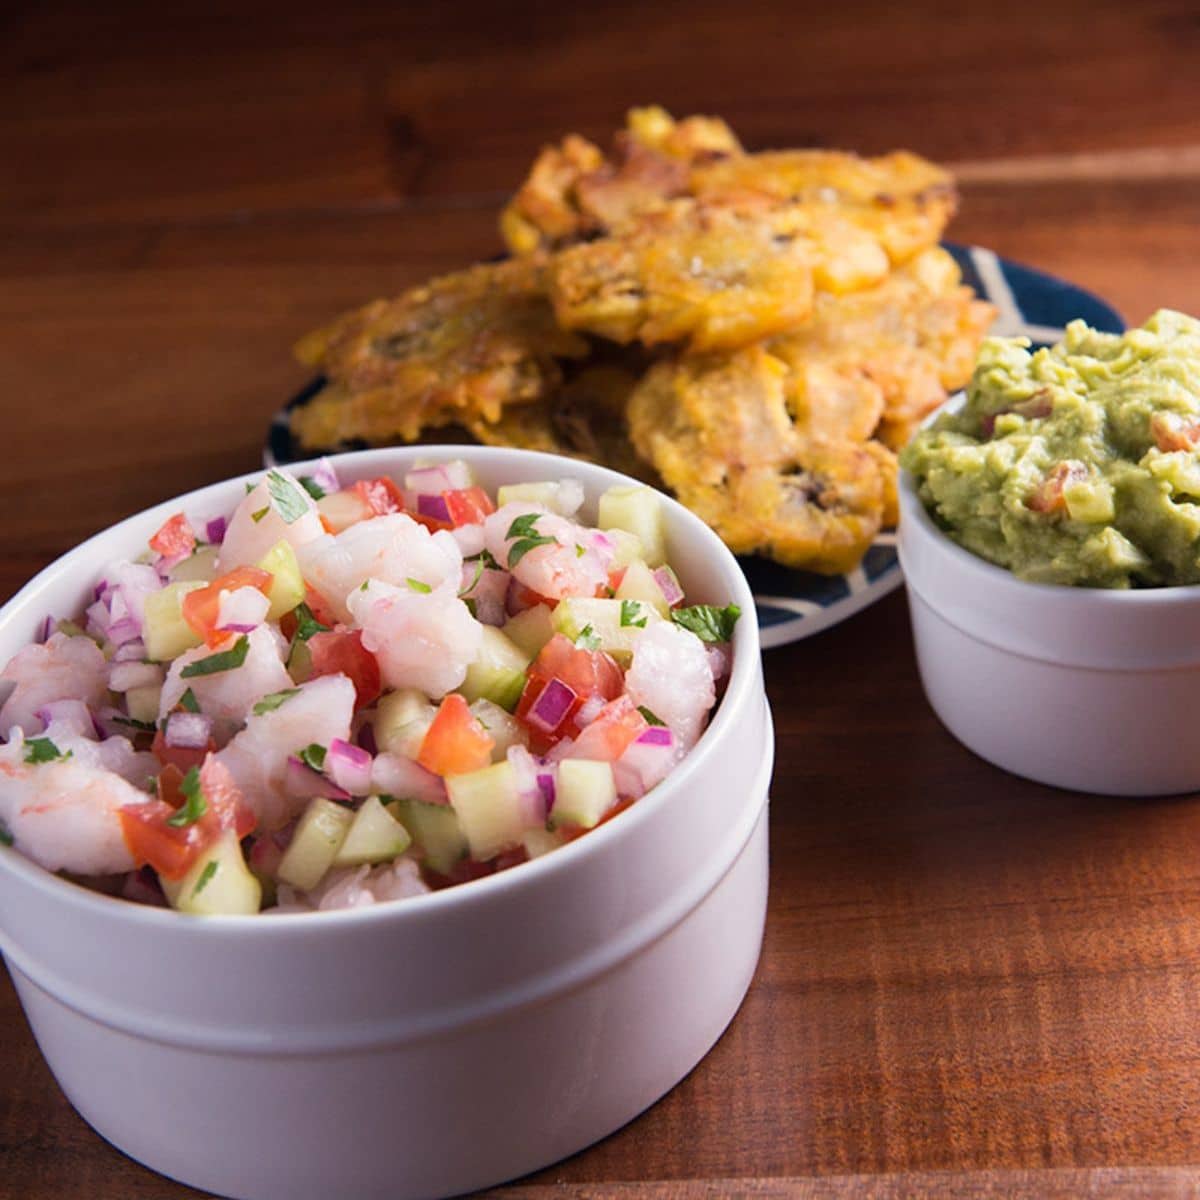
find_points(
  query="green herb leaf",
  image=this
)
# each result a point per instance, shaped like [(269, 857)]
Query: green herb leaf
[(43, 750), (523, 526), (587, 639), (226, 660), (651, 719), (210, 869), (471, 605), (249, 488), (271, 702), (288, 500), (579, 550), (194, 805), (306, 623), (418, 586), (259, 514), (141, 726), (6, 838), (518, 550), (631, 614), (707, 622), (485, 558), (188, 702), (313, 755), (524, 529), (312, 487)]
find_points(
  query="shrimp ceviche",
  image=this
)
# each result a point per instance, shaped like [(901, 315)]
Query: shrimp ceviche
[(338, 696)]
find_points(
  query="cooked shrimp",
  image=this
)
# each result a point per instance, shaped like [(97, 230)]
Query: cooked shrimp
[(64, 814), (277, 509), (549, 554), (392, 548), (63, 668), (320, 711), (422, 640), (671, 676), (228, 696), (357, 887)]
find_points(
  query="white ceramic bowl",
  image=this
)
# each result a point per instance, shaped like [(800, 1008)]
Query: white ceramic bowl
[(1083, 688), (432, 1045)]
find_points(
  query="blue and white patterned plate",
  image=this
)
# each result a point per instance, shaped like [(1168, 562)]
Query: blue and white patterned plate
[(796, 604)]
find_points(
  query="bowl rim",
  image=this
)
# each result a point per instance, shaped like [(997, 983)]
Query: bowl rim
[(740, 692)]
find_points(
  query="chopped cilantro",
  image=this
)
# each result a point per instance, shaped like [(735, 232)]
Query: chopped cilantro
[(271, 702), (225, 660), (525, 531), (469, 601), (43, 750), (141, 726), (188, 702), (290, 502), (210, 869), (651, 719), (194, 805), (707, 622), (249, 488), (579, 550), (258, 514), (313, 755), (6, 838), (418, 586), (631, 614), (312, 487), (306, 623), (485, 557), (587, 639)]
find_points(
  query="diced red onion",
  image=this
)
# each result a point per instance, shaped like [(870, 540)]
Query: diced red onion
[(72, 715), (398, 776), (546, 785), (325, 477), (589, 710), (133, 651), (124, 676), (349, 766), (551, 707), (668, 584), (433, 481), (45, 629), (124, 631), (188, 731), (242, 609), (656, 735), (136, 581), (101, 590), (366, 738), (433, 506), (718, 660), (214, 531), (302, 781), (646, 762), (98, 619), (529, 795), (142, 887), (518, 598)]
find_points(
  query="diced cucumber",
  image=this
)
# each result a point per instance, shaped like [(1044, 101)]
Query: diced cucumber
[(530, 630), (604, 619), (402, 718), (166, 634), (489, 809), (314, 845), (637, 510), (200, 566), (218, 884), (584, 792), (504, 729), (374, 836), (541, 841), (627, 548), (287, 584), (639, 584), (498, 672), (435, 830), (142, 703), (1089, 500), (563, 496)]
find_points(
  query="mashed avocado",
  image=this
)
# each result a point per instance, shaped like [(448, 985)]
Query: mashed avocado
[(1077, 464)]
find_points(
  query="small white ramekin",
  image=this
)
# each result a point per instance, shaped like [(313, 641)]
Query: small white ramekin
[(437, 1044), (1082, 688)]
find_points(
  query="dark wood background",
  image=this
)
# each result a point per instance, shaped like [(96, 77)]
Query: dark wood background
[(971, 985)]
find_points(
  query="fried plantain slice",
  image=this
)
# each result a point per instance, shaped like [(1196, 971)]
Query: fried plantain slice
[(461, 347), (718, 431), (716, 274)]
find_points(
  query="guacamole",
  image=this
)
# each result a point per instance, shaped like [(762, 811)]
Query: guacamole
[(1077, 464)]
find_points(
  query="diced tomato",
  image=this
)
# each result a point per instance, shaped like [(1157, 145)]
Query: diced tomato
[(319, 606), (520, 598), (180, 757), (175, 539), (616, 577), (341, 652), (468, 506), (586, 672), (456, 742), (430, 523), (201, 608), (382, 495), (617, 725), (1172, 432), (171, 850), (1048, 497)]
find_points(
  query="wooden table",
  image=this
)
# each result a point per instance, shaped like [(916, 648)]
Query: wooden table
[(971, 985)]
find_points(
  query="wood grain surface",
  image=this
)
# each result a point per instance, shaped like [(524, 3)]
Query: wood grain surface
[(971, 985)]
